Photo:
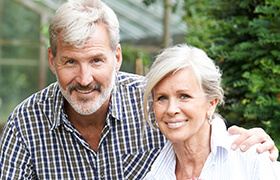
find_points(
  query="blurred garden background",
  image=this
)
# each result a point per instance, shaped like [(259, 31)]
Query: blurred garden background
[(242, 36)]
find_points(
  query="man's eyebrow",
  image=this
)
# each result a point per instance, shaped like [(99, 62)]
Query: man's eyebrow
[(95, 55), (68, 58)]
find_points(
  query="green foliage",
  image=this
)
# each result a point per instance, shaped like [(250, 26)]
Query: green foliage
[(19, 54), (246, 40), (198, 23), (243, 36), (148, 2), (45, 31), (14, 22), (130, 54)]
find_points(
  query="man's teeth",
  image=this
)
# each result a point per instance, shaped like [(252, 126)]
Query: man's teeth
[(84, 91), (176, 124)]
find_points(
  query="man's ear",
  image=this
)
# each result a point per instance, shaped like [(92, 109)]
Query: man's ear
[(118, 56), (51, 60)]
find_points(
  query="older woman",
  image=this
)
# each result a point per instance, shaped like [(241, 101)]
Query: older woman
[(186, 88)]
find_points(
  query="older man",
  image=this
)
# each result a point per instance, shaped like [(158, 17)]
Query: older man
[(88, 124)]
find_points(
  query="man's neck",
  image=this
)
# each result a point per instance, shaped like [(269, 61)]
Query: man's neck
[(89, 126)]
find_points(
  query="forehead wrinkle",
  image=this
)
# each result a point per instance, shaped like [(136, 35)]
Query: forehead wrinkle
[(185, 89)]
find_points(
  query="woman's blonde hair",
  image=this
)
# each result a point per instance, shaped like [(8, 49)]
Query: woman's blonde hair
[(178, 57)]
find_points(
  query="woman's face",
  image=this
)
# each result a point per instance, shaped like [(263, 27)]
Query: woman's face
[(181, 107)]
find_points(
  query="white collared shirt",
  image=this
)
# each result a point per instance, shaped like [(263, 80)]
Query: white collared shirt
[(222, 163)]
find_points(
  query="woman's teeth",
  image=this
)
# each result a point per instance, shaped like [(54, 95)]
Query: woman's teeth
[(177, 123)]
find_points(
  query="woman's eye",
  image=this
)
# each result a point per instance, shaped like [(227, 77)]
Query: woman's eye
[(184, 96), (160, 98)]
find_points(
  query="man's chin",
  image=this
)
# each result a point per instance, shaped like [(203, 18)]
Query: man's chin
[(85, 113), (86, 109)]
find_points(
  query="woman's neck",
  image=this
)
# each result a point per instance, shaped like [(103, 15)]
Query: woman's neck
[(192, 155)]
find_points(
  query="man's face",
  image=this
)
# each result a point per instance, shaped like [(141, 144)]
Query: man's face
[(86, 75)]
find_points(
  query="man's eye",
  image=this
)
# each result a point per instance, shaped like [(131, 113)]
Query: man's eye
[(70, 61), (96, 60)]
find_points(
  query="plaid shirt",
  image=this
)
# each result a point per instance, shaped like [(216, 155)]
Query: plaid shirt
[(39, 142)]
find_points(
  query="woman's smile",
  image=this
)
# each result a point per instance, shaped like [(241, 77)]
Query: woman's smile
[(176, 124)]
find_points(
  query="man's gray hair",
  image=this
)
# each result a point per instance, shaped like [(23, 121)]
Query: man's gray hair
[(76, 21)]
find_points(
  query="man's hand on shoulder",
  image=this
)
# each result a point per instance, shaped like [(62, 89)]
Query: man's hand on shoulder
[(253, 136)]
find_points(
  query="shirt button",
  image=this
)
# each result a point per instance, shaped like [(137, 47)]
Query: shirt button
[(102, 176)]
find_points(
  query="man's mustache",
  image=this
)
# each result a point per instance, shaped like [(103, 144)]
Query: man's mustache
[(78, 86)]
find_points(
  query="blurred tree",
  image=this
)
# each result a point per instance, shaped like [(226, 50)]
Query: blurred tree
[(244, 37), (130, 54), (19, 55)]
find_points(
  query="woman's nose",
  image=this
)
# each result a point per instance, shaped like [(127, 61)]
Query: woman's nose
[(172, 108)]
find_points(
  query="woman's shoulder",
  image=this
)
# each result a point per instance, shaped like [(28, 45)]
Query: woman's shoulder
[(257, 165), (164, 165)]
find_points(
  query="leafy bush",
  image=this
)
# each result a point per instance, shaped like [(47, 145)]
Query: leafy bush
[(243, 36), (245, 41)]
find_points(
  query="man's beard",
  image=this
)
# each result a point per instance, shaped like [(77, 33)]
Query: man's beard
[(87, 106)]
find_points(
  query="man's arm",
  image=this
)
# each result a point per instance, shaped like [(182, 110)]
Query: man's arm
[(252, 136), (15, 160)]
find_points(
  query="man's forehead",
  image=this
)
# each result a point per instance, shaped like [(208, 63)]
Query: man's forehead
[(98, 38)]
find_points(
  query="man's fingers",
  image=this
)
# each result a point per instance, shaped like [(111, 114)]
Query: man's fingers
[(240, 141), (267, 145), (250, 137), (235, 130), (245, 142), (253, 136), (274, 153)]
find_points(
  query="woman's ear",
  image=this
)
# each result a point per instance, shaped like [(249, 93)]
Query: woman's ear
[(212, 107)]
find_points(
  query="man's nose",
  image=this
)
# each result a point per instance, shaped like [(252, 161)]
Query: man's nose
[(85, 75)]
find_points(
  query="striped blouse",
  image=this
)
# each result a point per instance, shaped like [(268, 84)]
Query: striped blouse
[(222, 163)]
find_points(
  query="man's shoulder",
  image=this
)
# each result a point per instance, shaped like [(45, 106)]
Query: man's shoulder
[(39, 98), (129, 79)]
